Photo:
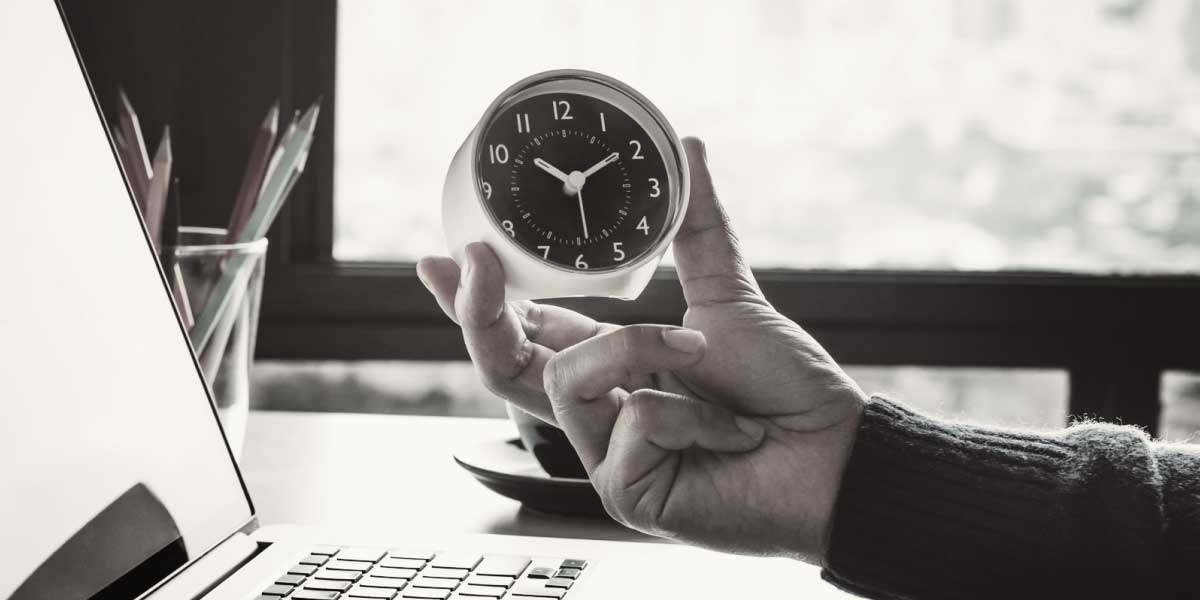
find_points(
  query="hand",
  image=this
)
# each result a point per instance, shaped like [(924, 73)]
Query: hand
[(731, 433), (608, 160), (551, 169)]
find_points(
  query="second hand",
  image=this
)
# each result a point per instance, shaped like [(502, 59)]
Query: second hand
[(582, 215)]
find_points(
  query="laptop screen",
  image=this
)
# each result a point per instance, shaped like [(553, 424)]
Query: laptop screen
[(113, 470)]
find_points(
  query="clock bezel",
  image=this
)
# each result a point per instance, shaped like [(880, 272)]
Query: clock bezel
[(624, 98)]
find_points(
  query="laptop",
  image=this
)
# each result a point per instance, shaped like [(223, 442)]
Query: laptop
[(116, 481)]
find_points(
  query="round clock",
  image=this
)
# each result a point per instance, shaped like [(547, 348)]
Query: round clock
[(575, 180)]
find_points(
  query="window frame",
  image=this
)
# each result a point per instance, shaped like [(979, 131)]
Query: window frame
[(1113, 334)]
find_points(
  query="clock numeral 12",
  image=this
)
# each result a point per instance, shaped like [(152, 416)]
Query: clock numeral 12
[(522, 122), (498, 153), (565, 115)]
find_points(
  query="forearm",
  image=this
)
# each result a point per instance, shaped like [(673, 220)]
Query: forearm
[(931, 509)]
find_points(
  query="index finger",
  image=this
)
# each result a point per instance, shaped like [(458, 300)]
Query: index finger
[(708, 256)]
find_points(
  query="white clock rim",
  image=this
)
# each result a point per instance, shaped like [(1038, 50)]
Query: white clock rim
[(650, 119)]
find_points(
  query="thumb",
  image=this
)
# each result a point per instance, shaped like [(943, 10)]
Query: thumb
[(708, 257)]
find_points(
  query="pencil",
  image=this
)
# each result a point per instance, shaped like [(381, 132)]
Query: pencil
[(139, 161), (256, 168), (171, 268), (156, 194)]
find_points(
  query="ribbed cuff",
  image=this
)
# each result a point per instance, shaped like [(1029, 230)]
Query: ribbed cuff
[(929, 509)]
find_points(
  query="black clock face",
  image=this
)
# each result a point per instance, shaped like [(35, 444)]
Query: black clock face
[(574, 180)]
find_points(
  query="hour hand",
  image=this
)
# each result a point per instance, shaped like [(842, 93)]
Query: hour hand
[(551, 169)]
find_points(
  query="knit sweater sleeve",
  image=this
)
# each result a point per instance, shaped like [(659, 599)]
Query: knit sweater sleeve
[(931, 509)]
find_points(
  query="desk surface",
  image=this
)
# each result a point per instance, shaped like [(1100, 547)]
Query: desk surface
[(388, 472)]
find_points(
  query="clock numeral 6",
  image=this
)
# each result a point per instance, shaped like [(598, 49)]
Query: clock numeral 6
[(644, 226), (579, 264), (654, 191), (487, 190), (562, 110), (508, 226), (498, 153), (618, 253), (545, 251), (637, 150)]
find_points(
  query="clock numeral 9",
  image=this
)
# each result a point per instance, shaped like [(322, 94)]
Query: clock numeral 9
[(644, 226), (545, 251), (487, 190), (618, 253), (637, 150), (654, 191), (522, 122), (498, 153), (579, 264), (565, 113), (508, 226)]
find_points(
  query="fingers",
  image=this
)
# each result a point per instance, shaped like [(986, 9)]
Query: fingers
[(707, 254), (673, 422), (580, 380), (440, 275)]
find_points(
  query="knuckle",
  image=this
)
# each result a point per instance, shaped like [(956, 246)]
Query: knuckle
[(554, 378)]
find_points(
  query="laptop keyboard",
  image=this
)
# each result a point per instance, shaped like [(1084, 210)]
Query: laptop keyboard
[(333, 573)]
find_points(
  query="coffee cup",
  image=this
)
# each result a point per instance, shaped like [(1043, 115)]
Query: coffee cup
[(548, 444)]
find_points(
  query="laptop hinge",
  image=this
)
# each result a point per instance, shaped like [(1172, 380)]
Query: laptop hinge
[(209, 570)]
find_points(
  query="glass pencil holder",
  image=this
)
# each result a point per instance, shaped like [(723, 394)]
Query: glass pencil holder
[(217, 288)]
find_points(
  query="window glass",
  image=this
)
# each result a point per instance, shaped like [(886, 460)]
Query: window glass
[(946, 134)]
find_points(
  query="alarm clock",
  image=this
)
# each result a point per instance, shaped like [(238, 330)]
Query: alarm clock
[(577, 183)]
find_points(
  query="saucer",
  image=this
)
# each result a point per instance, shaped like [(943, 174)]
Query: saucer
[(504, 467)]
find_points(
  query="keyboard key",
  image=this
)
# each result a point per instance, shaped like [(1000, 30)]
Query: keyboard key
[(277, 590), (508, 566), (325, 584), (541, 573), (325, 550), (349, 565), (367, 592), (314, 559), (367, 554), (314, 595), (574, 563), (305, 570), (337, 575), (393, 573), (456, 561), (290, 579), (485, 591), (490, 580), (413, 554), (537, 589), (559, 582), (430, 594), (445, 573), (568, 573), (402, 563), (443, 584), (383, 582)]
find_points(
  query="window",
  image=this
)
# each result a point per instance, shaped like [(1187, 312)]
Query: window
[(941, 134), (944, 184)]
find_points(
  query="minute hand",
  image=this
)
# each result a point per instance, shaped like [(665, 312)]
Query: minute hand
[(600, 165)]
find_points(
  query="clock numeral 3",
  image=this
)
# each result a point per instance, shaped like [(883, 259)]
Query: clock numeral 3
[(498, 153), (562, 110), (637, 150), (522, 122), (654, 191)]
